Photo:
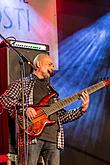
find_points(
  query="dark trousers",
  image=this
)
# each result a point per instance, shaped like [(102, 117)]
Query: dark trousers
[(49, 151)]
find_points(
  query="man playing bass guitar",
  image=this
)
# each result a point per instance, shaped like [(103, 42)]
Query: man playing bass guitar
[(46, 117)]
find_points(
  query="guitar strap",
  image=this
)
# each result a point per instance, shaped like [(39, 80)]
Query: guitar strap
[(52, 89)]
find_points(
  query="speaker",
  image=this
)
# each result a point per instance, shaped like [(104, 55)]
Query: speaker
[(10, 66), (29, 50)]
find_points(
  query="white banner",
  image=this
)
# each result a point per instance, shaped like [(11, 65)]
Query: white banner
[(32, 21)]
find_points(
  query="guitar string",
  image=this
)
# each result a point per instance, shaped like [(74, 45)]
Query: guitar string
[(61, 103), (64, 102)]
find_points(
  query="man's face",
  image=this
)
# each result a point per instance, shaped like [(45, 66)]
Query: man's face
[(46, 67)]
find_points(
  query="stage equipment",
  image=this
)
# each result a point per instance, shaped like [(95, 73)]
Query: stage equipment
[(29, 50)]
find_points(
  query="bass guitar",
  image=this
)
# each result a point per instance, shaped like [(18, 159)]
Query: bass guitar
[(36, 126)]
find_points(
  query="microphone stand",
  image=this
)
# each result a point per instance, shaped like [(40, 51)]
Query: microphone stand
[(23, 59)]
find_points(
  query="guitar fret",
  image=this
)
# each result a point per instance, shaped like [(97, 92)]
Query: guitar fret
[(66, 101), (95, 87)]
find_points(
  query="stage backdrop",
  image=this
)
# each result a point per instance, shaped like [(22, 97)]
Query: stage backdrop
[(32, 21)]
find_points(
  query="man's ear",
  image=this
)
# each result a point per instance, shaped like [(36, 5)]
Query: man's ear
[(38, 64)]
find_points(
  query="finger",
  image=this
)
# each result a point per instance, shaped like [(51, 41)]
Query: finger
[(85, 98), (31, 113), (85, 95)]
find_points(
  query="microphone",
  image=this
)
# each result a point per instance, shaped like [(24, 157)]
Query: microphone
[(4, 44)]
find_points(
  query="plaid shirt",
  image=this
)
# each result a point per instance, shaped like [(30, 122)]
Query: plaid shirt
[(12, 98)]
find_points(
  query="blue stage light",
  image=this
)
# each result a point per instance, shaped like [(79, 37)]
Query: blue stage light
[(84, 58)]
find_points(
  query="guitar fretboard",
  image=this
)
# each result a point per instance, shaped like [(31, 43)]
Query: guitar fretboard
[(66, 101)]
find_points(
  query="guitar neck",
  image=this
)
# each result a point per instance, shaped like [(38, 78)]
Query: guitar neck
[(69, 100)]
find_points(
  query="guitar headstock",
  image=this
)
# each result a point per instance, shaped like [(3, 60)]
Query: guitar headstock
[(107, 82)]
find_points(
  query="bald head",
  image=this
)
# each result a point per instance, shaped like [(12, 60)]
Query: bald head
[(40, 57), (44, 66)]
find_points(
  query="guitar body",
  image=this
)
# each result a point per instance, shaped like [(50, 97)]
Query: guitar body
[(35, 127)]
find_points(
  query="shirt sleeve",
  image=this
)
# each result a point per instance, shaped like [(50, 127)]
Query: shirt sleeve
[(66, 116), (10, 98)]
